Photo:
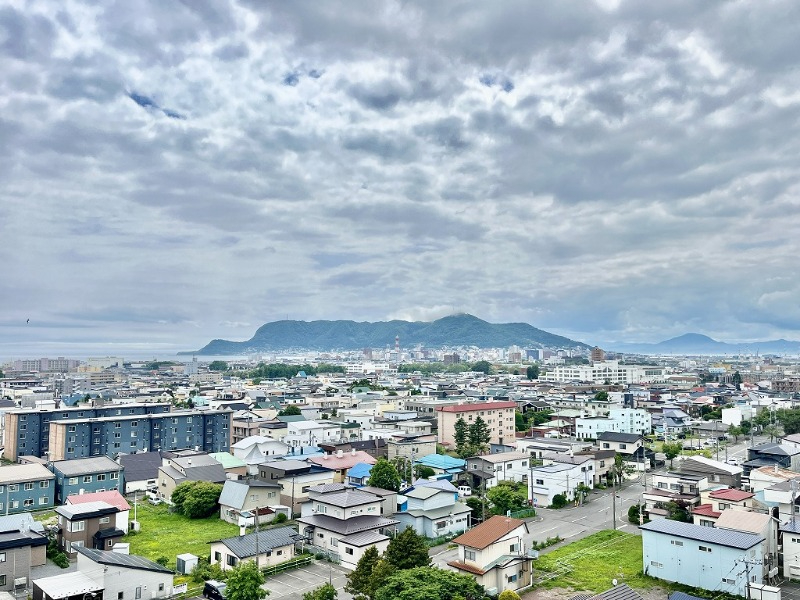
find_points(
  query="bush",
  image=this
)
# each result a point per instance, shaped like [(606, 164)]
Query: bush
[(559, 501), (280, 518), (163, 561), (61, 559)]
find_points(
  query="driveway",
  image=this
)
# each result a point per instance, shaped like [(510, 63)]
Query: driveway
[(291, 585)]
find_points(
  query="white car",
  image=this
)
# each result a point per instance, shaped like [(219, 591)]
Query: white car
[(733, 461), (464, 490)]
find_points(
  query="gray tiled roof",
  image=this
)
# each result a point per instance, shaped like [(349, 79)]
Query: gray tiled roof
[(348, 526), (244, 546), (234, 493), (130, 561), (347, 498), (141, 466), (712, 535)]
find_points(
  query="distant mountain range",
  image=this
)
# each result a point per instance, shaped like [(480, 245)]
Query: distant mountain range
[(698, 344), (456, 330)]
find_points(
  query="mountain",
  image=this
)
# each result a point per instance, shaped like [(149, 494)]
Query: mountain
[(698, 344), (456, 330)]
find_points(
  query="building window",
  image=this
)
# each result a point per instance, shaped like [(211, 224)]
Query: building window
[(704, 549), (160, 587), (138, 591), (120, 595), (655, 564), (540, 482), (28, 486), (104, 519), (469, 554), (13, 487), (28, 502), (676, 543), (723, 506), (348, 551), (2, 557), (44, 484), (87, 479), (2, 580), (43, 501), (78, 526), (231, 561), (114, 475)]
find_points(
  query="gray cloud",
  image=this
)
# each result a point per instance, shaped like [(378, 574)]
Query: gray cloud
[(610, 174)]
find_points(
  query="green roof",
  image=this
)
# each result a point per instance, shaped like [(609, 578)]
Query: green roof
[(228, 460)]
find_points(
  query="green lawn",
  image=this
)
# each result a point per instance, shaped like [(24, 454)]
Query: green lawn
[(592, 563), (168, 534)]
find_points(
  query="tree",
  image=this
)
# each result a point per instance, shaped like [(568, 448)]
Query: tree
[(407, 550), (601, 396), (671, 450), (460, 437), (358, 580), (737, 380), (196, 499), (736, 431), (479, 436), (324, 592), (508, 595), (423, 472), (620, 469), (634, 515), (476, 504), (244, 582), (507, 496), (482, 366), (384, 475), (532, 372), (520, 423), (559, 501), (290, 411), (218, 365), (772, 431), (678, 510), (430, 583), (790, 419)]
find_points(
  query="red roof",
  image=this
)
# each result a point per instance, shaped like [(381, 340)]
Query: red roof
[(112, 497), (731, 494), (705, 510), (457, 408)]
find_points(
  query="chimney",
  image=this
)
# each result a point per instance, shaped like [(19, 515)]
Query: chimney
[(339, 454), (242, 530)]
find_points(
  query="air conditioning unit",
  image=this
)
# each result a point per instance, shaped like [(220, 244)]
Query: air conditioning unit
[(20, 582)]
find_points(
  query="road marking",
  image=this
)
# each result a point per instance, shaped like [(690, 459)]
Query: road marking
[(578, 519), (547, 530)]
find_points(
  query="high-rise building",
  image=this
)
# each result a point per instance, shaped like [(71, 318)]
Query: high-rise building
[(598, 355)]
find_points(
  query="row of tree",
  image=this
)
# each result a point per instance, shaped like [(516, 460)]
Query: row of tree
[(471, 439)]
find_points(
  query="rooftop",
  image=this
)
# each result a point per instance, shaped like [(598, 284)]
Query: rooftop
[(489, 532)]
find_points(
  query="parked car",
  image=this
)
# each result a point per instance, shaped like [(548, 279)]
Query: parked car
[(154, 500), (733, 461), (214, 590), (464, 490)]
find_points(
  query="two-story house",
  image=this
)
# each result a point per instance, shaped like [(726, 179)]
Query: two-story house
[(239, 497), (344, 521), (257, 449), (491, 469), (559, 478), (112, 497), (629, 445), (25, 488), (197, 467), (432, 509), (83, 475), (91, 525), (672, 487), (716, 472), (770, 454), (295, 477), (23, 544), (340, 462), (702, 557), (494, 554)]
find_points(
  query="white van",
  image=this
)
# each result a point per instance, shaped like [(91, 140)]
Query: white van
[(464, 490)]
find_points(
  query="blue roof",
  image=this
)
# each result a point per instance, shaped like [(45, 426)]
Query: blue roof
[(442, 461), (359, 470)]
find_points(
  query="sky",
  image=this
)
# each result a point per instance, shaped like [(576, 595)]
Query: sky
[(174, 172)]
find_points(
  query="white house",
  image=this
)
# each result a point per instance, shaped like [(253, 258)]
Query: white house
[(588, 428), (301, 434), (494, 554), (432, 509), (632, 420), (500, 466), (267, 548), (558, 478)]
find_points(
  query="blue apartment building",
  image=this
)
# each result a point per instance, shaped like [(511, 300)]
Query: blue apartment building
[(26, 488), (27, 431), (86, 475), (206, 430)]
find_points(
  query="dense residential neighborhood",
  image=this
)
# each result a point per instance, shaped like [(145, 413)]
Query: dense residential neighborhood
[(338, 464)]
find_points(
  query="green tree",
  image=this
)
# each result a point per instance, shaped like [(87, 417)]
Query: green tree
[(476, 504), (737, 380), (479, 436), (196, 499), (746, 426), (520, 423), (772, 431), (735, 431), (407, 550), (290, 411), (482, 366), (790, 419), (508, 595), (218, 365), (430, 583), (423, 472), (384, 475), (324, 592), (507, 496), (559, 501), (671, 450), (380, 575), (601, 396), (678, 510), (461, 437), (244, 582), (634, 515), (620, 469), (532, 372), (358, 580), (541, 416)]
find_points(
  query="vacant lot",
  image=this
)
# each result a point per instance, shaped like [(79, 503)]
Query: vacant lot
[(167, 534)]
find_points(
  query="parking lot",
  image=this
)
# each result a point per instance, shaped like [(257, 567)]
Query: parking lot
[(291, 585)]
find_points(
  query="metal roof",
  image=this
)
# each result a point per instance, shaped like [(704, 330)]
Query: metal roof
[(712, 535), (244, 546), (86, 466), (21, 473), (116, 559)]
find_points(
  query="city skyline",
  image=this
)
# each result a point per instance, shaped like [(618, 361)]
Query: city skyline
[(607, 171)]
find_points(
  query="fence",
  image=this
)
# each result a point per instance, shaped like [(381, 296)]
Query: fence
[(524, 513), (295, 563)]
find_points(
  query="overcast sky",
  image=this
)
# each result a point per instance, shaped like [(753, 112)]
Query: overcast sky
[(174, 172)]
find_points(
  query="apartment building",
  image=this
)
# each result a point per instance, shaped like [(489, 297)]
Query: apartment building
[(86, 475), (498, 416), (610, 371), (25, 488), (28, 431), (110, 436)]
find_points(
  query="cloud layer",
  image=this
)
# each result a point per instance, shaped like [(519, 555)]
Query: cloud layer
[(176, 172)]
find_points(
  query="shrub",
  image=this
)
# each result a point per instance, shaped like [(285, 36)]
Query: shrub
[(280, 518), (61, 559), (559, 501), (163, 561)]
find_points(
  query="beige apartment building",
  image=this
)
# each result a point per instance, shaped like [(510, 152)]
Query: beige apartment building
[(498, 416)]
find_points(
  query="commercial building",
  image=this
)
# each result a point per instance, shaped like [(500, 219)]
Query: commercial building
[(609, 371), (498, 416)]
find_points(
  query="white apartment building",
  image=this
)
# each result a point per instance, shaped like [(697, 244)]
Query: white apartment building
[(606, 371), (310, 433), (632, 420)]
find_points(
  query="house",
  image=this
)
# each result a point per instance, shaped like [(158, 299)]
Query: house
[(104, 574), (239, 497), (358, 474), (295, 477), (234, 467), (306, 434), (90, 525), (140, 470), (444, 466), (389, 504), (267, 548), (672, 487), (754, 522), (716, 472), (340, 462), (433, 510), (790, 540), (23, 545), (177, 469), (772, 454), (81, 475), (344, 521), (538, 447), (256, 449), (765, 477), (112, 497), (603, 461), (491, 469), (629, 445), (25, 488), (548, 481), (494, 554), (702, 557), (727, 499)]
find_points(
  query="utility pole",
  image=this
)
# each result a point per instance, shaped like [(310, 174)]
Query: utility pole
[(258, 554), (614, 501), (748, 564)]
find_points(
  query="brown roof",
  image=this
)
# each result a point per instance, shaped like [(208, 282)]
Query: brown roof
[(465, 567), (488, 532), (457, 408)]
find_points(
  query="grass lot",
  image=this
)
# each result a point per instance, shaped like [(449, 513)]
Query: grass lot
[(592, 563), (168, 534)]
